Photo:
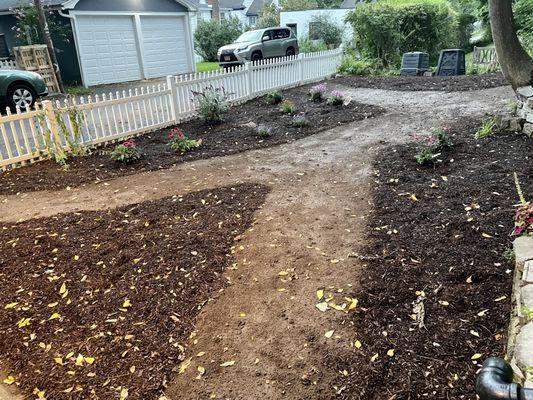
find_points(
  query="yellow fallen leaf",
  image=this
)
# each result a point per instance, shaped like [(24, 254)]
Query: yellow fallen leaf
[(76, 258), (469, 279), (51, 305), (58, 360), (242, 314), (374, 357), (39, 393), (201, 372), (319, 294), (390, 353), (444, 303), (9, 380), (11, 305), (500, 298), (329, 334), (476, 356), (184, 365), (70, 389), (23, 322), (227, 363), (88, 360), (444, 178), (283, 273), (79, 360), (353, 304), (126, 303), (124, 392), (322, 306), (54, 316), (474, 333), (334, 261), (357, 344), (486, 235), (413, 197)]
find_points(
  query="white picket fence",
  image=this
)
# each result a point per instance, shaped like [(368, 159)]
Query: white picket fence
[(8, 64), (112, 117)]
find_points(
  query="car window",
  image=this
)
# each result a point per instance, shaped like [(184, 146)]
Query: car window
[(269, 34), (279, 34), (286, 33), (251, 36)]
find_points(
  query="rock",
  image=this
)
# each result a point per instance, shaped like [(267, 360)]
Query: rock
[(525, 92), (502, 121), (530, 102), (529, 117), (515, 124), (528, 129), (524, 349), (250, 124), (527, 296), (527, 276), (523, 249)]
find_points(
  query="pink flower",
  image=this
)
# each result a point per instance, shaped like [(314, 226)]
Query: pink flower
[(129, 143)]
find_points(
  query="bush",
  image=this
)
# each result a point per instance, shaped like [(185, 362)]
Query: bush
[(212, 103), (336, 98), (211, 35), (307, 45), (317, 92), (385, 30), (321, 27), (264, 131), (364, 67), (268, 16), (181, 143), (523, 13), (429, 145), (274, 97), (126, 152), (299, 121), (287, 107)]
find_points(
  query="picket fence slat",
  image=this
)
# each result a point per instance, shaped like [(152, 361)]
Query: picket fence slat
[(116, 116)]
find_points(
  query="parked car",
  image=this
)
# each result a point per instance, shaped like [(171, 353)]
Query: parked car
[(257, 45), (21, 88)]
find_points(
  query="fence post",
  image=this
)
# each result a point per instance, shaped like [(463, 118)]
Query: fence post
[(51, 121), (248, 75), (173, 98), (301, 67)]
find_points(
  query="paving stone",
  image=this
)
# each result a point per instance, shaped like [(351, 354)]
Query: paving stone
[(527, 297), (524, 347), (523, 246), (525, 91), (515, 124), (530, 103), (528, 129), (527, 276)]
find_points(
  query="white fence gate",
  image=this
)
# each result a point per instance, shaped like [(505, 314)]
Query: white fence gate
[(106, 118), (8, 64)]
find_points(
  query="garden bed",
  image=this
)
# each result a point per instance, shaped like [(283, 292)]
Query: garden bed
[(100, 304), (236, 134), (443, 231), (421, 83)]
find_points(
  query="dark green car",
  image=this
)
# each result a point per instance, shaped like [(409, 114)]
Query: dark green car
[(21, 88)]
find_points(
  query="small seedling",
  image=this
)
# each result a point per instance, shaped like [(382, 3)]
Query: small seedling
[(274, 97), (264, 131), (486, 130), (287, 107), (299, 121)]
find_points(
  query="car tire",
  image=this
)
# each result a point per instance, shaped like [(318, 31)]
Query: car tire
[(21, 95), (290, 52), (256, 56)]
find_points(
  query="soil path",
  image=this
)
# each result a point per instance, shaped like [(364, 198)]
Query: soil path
[(312, 220)]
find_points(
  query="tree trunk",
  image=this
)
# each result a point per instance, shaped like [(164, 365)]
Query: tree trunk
[(517, 65), (48, 41)]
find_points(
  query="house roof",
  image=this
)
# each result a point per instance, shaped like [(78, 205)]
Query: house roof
[(232, 4), (256, 6)]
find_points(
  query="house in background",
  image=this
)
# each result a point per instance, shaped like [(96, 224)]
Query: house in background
[(119, 40), (246, 10), (301, 22)]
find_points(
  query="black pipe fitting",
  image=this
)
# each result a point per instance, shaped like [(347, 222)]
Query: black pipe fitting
[(495, 382)]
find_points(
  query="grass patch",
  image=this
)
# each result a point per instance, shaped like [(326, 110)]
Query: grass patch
[(207, 66)]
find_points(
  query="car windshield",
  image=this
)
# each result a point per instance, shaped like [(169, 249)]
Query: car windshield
[(251, 36)]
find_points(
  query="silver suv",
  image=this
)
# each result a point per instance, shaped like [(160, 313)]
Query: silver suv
[(259, 44)]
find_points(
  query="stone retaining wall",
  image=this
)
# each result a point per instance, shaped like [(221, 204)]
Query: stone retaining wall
[(525, 108), (520, 347)]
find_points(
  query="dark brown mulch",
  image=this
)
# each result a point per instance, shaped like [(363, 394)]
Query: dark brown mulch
[(99, 302), (233, 136), (420, 83), (436, 243)]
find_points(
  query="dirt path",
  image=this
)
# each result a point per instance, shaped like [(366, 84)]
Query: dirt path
[(312, 220)]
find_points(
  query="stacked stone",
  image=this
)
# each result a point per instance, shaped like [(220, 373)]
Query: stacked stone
[(525, 108)]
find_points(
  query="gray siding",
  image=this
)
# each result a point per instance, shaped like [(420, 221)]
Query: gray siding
[(130, 5)]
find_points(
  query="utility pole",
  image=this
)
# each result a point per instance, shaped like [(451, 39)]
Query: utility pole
[(48, 41)]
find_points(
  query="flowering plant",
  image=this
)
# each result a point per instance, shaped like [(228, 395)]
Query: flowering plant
[(212, 103), (336, 98), (287, 107), (317, 92), (428, 145), (126, 152), (523, 218), (180, 142)]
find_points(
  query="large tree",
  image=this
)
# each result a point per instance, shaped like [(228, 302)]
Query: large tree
[(516, 64)]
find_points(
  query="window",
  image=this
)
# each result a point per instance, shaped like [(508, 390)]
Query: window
[(293, 28), (252, 20), (4, 51), (281, 33)]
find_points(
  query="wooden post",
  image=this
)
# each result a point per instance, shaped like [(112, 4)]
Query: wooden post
[(248, 70), (173, 98), (51, 122)]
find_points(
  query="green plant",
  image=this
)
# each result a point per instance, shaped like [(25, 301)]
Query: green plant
[(486, 129), (264, 131), (212, 104), (386, 29), (317, 92), (321, 27), (287, 107), (126, 152), (512, 106), (307, 45), (210, 35), (298, 5), (425, 156), (528, 312), (443, 138), (274, 97), (523, 219), (299, 121), (509, 254), (78, 90), (336, 98), (268, 16), (352, 66), (181, 143), (27, 30), (430, 145)]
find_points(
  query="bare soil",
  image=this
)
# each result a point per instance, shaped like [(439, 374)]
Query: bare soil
[(99, 302), (236, 134), (425, 83)]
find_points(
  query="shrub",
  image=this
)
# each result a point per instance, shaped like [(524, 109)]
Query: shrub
[(443, 138), (299, 121), (430, 145), (181, 143), (307, 45), (352, 66), (264, 131), (317, 92), (210, 35), (287, 107), (425, 156), (386, 29), (126, 152), (274, 97), (336, 98), (321, 27), (212, 104), (268, 16), (487, 129)]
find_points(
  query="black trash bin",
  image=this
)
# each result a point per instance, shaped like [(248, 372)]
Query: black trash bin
[(451, 62), (414, 63)]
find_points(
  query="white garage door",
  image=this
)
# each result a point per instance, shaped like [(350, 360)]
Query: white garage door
[(164, 46), (108, 49)]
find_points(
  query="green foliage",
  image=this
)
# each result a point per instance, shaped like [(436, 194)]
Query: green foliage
[(425, 156), (287, 107), (298, 5), (430, 145), (509, 254), (307, 45), (321, 27), (27, 31), (264, 131), (528, 312), (523, 13), (207, 66), (181, 143), (387, 29), (364, 66), (486, 129), (299, 121), (444, 141), (78, 90), (274, 97), (211, 35), (126, 152), (212, 104), (268, 16)]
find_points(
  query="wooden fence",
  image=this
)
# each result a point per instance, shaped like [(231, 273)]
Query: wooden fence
[(485, 56), (96, 120)]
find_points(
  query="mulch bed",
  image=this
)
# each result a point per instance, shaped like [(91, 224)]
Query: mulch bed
[(421, 83), (449, 242), (235, 135), (101, 303)]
